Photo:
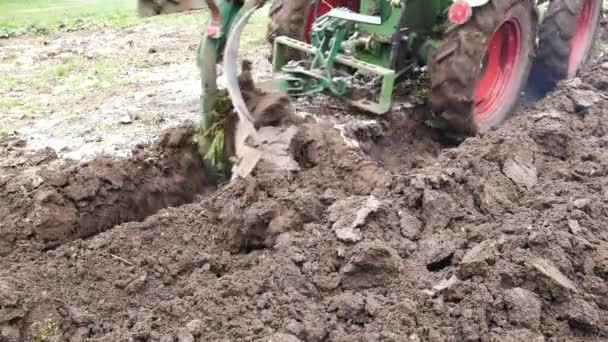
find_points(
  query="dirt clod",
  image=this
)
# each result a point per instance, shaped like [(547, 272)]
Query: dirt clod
[(476, 242), (183, 335), (67, 200), (411, 226), (521, 173), (524, 308), (350, 215), (583, 316), (554, 283), (195, 327), (477, 260), (10, 334), (371, 264)]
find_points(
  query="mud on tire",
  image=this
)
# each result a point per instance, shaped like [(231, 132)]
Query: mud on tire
[(555, 44), (288, 18), (456, 67)]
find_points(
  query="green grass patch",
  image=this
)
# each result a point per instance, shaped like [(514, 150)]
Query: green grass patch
[(6, 130), (7, 32), (77, 74), (10, 103), (66, 68), (28, 108), (45, 16), (9, 82), (72, 117), (254, 34), (48, 330)]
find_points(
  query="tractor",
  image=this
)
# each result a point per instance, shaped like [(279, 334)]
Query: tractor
[(481, 55)]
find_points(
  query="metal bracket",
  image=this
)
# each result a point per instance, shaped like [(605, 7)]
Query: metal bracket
[(384, 102)]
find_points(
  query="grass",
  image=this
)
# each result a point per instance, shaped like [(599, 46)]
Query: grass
[(10, 103), (79, 75), (254, 34), (48, 330), (76, 74), (32, 105), (6, 130), (43, 17), (46, 16)]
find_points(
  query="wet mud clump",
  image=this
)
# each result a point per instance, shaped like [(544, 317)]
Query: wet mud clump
[(55, 201)]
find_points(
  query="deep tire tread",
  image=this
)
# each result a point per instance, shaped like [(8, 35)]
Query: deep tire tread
[(555, 35), (455, 67)]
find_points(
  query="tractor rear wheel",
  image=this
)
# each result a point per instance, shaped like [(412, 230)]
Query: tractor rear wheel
[(294, 19), (481, 67), (566, 39), (288, 18)]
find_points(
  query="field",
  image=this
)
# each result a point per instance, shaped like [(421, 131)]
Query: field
[(71, 90), (114, 229)]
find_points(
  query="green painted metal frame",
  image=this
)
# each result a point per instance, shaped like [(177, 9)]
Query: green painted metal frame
[(327, 36), (372, 55), (384, 103), (209, 53), (330, 38)]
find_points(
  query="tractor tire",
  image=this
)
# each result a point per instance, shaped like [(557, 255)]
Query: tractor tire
[(461, 68), (288, 18), (564, 46)]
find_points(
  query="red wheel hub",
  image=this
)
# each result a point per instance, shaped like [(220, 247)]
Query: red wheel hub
[(581, 41), (500, 69), (460, 12)]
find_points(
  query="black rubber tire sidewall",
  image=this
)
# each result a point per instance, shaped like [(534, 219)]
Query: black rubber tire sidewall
[(455, 68), (554, 45)]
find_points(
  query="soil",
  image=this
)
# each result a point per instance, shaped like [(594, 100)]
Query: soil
[(499, 239), (51, 201)]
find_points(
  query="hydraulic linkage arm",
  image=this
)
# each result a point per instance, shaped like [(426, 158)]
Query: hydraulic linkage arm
[(330, 37)]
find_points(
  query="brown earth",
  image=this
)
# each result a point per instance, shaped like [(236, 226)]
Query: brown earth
[(500, 239), (49, 201)]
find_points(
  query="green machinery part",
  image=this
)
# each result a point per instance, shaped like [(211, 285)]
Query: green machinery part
[(220, 42), (384, 39), (328, 35), (210, 50)]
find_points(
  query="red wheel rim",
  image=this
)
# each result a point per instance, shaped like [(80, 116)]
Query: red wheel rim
[(499, 69), (581, 41), (326, 6)]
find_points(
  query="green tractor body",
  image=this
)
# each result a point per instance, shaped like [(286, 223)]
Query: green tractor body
[(480, 54), (378, 40)]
